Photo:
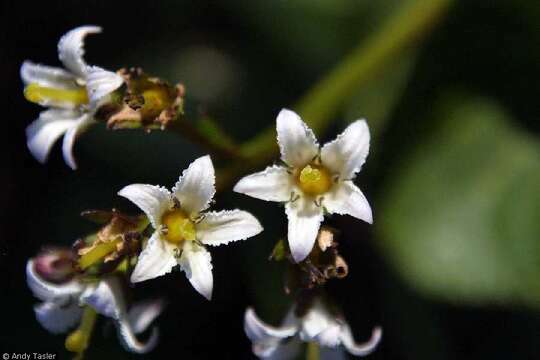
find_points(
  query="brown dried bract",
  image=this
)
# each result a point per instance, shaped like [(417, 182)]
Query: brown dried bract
[(122, 229), (322, 264)]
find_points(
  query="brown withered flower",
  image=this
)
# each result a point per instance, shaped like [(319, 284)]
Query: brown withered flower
[(147, 102), (322, 264)]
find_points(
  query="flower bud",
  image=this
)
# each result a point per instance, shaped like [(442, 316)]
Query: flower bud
[(55, 265)]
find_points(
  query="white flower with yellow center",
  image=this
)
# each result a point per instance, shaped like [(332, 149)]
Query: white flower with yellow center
[(315, 180), (182, 228), (318, 325), (72, 95), (75, 303)]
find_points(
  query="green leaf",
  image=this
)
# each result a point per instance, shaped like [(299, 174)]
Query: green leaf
[(460, 220)]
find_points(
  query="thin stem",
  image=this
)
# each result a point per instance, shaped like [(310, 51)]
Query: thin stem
[(402, 30), (313, 351), (200, 137), (79, 339)]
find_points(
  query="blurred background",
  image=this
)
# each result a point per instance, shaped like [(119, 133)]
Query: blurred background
[(451, 266)]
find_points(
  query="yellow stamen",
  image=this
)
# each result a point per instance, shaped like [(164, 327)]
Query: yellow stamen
[(40, 94), (179, 227), (78, 340), (314, 179), (97, 253)]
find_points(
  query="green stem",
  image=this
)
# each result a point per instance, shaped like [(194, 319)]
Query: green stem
[(199, 135), (313, 351), (402, 30), (79, 339)]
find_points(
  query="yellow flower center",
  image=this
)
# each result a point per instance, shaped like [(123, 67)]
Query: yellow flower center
[(41, 94), (179, 227), (314, 179)]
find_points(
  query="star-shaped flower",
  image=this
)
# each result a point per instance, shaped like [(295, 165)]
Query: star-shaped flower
[(182, 228), (318, 325), (72, 95), (64, 304), (314, 181)]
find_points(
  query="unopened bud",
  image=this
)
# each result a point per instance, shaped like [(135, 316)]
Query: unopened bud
[(55, 265)]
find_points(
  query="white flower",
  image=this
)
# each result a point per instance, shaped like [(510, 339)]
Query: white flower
[(315, 179), (62, 307), (317, 325), (182, 228), (72, 95)]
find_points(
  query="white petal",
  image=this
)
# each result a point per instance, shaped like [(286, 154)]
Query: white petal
[(346, 198), (272, 184), (46, 76), (329, 337), (360, 349), (142, 314), (47, 291), (329, 353), (155, 260), (106, 297), (197, 264), (129, 341), (43, 132), (153, 200), (346, 155), (228, 225), (316, 321), (304, 222), (257, 330), (266, 339), (56, 318), (100, 83), (287, 350), (195, 188), (71, 49), (296, 140), (82, 123)]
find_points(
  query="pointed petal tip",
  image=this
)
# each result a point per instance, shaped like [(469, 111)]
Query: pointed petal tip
[(361, 349), (272, 184), (130, 342), (257, 330), (296, 140), (195, 188), (299, 255), (304, 223), (71, 49), (196, 262)]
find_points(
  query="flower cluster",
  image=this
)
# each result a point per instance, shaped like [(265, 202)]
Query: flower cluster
[(70, 300), (176, 226)]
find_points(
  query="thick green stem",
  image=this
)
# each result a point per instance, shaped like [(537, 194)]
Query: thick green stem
[(402, 30)]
